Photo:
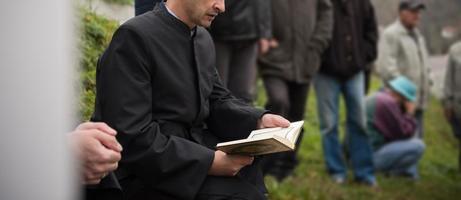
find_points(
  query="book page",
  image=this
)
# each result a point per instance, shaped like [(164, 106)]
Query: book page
[(289, 133), (256, 147), (264, 133)]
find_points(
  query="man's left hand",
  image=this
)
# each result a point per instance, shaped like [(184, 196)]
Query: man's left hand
[(264, 46), (271, 121)]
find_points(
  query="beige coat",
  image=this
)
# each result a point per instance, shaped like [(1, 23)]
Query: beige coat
[(452, 87), (400, 54)]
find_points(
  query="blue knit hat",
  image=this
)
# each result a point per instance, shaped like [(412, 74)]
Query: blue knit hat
[(404, 87)]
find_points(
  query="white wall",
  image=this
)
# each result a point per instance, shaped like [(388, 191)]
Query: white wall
[(36, 111)]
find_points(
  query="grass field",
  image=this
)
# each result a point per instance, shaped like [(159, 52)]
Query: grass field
[(440, 178)]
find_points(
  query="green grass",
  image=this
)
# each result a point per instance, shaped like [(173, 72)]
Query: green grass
[(120, 2), (438, 168)]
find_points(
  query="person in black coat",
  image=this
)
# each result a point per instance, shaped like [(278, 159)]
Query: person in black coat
[(142, 6), (157, 86)]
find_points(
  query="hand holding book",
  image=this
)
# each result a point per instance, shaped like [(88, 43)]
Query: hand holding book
[(265, 141)]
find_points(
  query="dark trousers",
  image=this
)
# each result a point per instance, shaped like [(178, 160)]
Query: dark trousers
[(213, 188), (289, 100), (236, 64), (455, 123), (419, 115), (248, 184), (368, 71)]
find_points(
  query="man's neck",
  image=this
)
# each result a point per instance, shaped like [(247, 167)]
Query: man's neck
[(178, 11)]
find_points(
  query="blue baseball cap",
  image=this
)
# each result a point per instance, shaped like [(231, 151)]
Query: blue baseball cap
[(404, 87)]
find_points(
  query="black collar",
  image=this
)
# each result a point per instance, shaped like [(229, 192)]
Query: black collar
[(179, 25)]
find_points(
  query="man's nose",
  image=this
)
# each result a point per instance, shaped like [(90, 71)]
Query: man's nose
[(220, 6)]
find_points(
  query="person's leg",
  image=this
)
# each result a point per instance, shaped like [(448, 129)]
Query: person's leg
[(243, 71), (223, 56), (327, 92), (357, 140), (277, 102), (287, 161), (228, 188), (419, 115), (399, 157), (368, 78), (456, 127), (277, 95)]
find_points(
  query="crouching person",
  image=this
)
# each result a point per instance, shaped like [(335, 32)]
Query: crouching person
[(391, 125)]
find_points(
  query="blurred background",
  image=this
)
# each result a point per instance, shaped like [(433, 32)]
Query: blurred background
[(96, 20)]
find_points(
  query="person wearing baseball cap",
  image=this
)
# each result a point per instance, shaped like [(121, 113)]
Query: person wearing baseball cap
[(402, 51), (391, 125)]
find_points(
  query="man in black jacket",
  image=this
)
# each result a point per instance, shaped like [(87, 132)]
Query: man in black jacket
[(157, 86), (238, 33), (353, 46)]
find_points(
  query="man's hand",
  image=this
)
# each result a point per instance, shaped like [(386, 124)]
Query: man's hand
[(97, 149), (264, 46), (273, 43), (271, 121), (228, 165), (410, 107)]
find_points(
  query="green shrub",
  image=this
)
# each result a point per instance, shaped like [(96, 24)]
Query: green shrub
[(120, 2), (96, 33)]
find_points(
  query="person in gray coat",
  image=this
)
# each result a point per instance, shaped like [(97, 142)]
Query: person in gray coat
[(302, 30), (452, 93), (238, 34)]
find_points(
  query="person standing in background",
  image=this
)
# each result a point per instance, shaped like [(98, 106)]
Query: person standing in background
[(301, 32), (238, 33), (452, 93), (353, 46), (402, 51), (142, 6)]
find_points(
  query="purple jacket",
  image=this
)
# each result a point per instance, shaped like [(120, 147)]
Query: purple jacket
[(387, 121)]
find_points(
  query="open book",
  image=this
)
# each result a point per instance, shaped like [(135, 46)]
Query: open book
[(265, 141)]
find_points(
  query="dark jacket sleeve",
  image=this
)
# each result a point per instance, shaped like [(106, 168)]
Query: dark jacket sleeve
[(164, 163), (230, 118), (370, 33), (264, 18), (324, 27)]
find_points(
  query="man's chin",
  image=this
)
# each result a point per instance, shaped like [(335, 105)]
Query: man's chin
[(206, 23)]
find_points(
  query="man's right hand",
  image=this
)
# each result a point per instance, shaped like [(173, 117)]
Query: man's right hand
[(228, 165), (98, 150)]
